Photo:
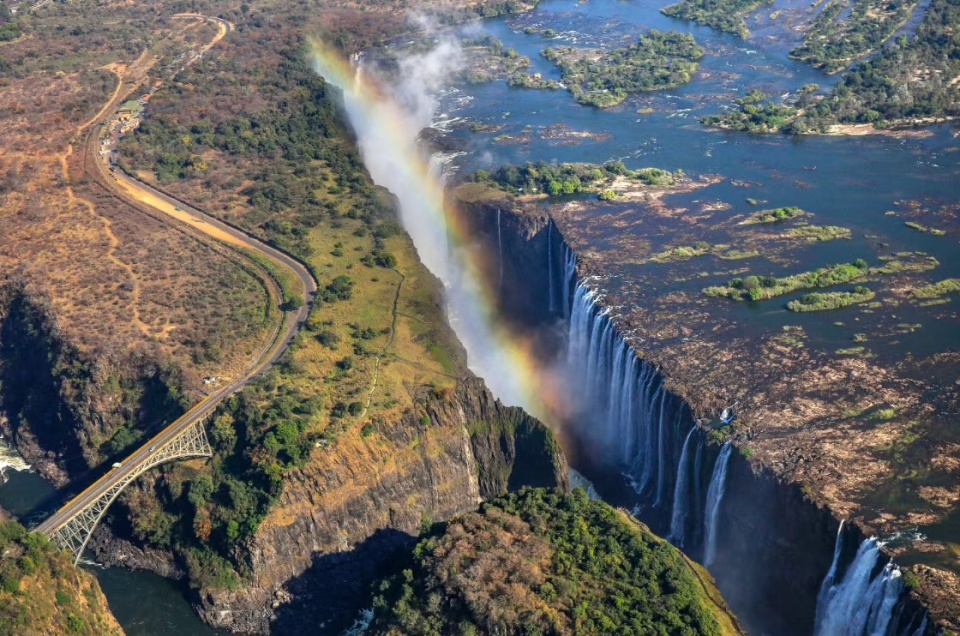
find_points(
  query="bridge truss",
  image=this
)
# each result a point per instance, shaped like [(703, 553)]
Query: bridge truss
[(73, 533)]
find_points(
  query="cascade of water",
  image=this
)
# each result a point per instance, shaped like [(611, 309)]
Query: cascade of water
[(9, 458), (681, 495), (569, 279), (859, 603), (651, 431), (616, 397), (697, 490), (831, 578), (920, 631), (632, 379), (718, 486), (668, 457), (550, 276), (500, 249), (577, 480)]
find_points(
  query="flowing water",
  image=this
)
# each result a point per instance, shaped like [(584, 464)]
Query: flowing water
[(851, 182), (144, 604), (862, 600), (861, 183), (636, 422)]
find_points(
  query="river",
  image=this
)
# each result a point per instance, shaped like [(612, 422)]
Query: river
[(846, 181)]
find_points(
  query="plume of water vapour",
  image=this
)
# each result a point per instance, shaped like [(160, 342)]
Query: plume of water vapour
[(388, 113)]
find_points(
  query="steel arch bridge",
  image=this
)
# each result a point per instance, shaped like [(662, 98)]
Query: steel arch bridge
[(71, 527)]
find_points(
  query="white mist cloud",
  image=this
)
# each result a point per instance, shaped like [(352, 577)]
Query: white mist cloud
[(421, 76), (388, 133)]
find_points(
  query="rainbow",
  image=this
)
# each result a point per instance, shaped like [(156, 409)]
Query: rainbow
[(508, 364)]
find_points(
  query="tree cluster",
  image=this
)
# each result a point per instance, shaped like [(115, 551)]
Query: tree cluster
[(657, 61), (544, 562)]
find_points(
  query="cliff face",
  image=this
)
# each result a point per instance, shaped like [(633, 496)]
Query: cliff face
[(67, 412), (43, 593), (771, 545), (342, 519), (538, 561)]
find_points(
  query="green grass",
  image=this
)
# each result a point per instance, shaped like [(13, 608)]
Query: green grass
[(815, 233), (738, 255), (906, 263), (936, 290), (830, 300), (857, 352), (766, 287), (883, 414), (290, 286), (936, 302), (683, 253), (913, 225), (776, 215)]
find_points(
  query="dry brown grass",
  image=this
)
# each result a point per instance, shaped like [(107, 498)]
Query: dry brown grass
[(118, 279)]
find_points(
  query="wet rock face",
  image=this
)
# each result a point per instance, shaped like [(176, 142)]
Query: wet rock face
[(342, 519), (516, 249), (33, 363), (774, 548), (767, 545)]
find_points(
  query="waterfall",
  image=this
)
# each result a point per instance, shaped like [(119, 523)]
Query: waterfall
[(831, 578), (718, 486), (10, 459), (861, 602), (550, 276), (569, 279), (577, 480), (697, 489), (622, 401), (681, 495), (920, 631), (500, 249)]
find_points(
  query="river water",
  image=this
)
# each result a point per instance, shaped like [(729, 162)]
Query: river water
[(850, 182), (869, 184), (144, 604)]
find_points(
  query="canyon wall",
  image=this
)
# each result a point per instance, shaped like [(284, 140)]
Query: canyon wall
[(62, 408), (769, 547), (340, 519), (343, 519)]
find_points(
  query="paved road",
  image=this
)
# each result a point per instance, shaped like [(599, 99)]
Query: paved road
[(180, 212)]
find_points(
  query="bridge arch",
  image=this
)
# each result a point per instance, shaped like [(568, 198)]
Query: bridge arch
[(72, 526)]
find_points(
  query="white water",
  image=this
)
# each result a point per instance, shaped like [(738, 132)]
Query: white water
[(10, 460), (715, 493), (577, 480), (499, 250), (831, 578), (681, 495), (362, 624), (388, 137), (550, 277), (860, 603), (624, 410)]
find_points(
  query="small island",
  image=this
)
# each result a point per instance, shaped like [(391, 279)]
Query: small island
[(721, 15), (572, 178), (842, 34), (773, 216), (766, 287), (603, 79)]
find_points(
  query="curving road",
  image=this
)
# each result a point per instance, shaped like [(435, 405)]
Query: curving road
[(208, 228)]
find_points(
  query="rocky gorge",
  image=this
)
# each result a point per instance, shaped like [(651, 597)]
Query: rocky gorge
[(650, 434)]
